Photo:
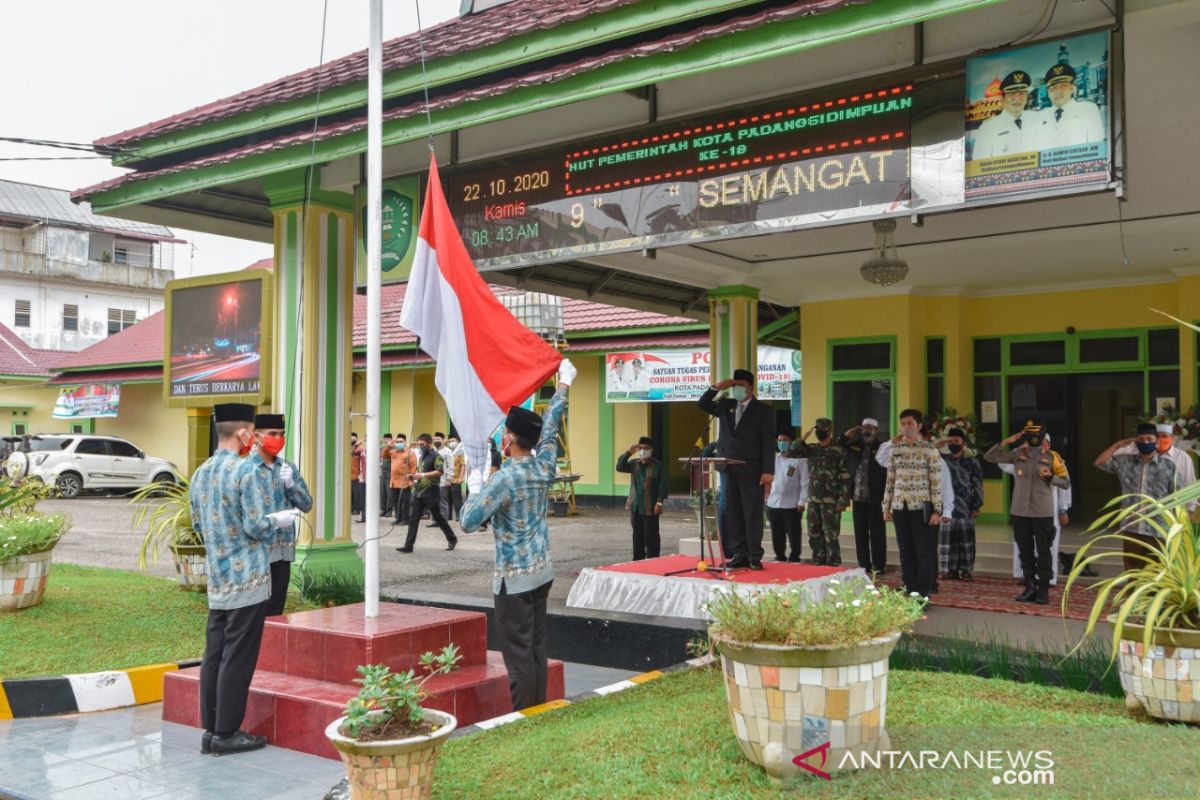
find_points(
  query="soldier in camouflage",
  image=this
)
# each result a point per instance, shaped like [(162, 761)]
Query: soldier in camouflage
[(829, 483)]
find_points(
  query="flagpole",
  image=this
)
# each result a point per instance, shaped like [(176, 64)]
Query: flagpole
[(374, 279)]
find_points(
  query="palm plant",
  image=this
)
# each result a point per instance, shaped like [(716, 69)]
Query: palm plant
[(166, 511)]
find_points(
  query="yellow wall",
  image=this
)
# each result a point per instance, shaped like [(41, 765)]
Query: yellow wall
[(144, 421), (30, 403), (630, 421), (583, 418)]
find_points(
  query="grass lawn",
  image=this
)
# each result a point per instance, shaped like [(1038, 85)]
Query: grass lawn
[(673, 738), (94, 619)]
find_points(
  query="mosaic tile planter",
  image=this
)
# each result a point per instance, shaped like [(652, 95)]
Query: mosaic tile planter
[(191, 567), (1164, 679), (399, 769), (785, 701), (23, 580)]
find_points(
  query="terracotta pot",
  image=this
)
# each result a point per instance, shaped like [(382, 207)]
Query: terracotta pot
[(191, 567), (785, 701), (393, 769), (1164, 679), (23, 580)]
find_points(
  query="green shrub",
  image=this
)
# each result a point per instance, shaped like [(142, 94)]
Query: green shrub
[(329, 588), (30, 533), (850, 612), (389, 703)]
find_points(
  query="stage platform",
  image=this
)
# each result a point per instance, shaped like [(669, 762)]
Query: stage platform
[(647, 587)]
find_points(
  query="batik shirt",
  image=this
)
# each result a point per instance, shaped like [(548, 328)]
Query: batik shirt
[(1154, 478), (514, 500), (914, 478), (276, 497), (228, 511), (828, 476), (967, 478), (429, 461)]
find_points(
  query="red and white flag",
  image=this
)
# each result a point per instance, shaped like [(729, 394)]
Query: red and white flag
[(487, 361)]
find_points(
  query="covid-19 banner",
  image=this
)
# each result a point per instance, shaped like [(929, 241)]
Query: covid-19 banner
[(90, 400), (1038, 117), (683, 375)]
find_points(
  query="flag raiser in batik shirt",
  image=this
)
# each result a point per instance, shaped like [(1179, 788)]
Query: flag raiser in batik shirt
[(277, 497), (514, 501)]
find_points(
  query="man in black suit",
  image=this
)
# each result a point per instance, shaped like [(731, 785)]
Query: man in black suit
[(747, 433)]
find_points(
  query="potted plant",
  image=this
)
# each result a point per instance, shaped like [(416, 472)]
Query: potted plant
[(803, 672), (27, 540), (166, 511), (388, 742), (1155, 605)]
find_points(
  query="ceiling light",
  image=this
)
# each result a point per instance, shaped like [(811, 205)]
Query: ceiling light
[(884, 267)]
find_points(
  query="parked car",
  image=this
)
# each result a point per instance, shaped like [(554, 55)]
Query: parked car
[(75, 462)]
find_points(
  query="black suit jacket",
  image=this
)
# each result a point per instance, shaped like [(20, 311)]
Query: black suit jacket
[(876, 475), (753, 441)]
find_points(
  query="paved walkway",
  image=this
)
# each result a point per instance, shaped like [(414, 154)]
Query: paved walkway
[(131, 754)]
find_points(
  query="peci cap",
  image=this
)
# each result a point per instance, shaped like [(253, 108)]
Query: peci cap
[(744, 375), (524, 423), (824, 423), (269, 421), (646, 440), (234, 412), (959, 432), (1059, 73), (1015, 81), (1147, 428)]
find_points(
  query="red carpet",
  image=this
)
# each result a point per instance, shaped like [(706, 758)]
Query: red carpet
[(772, 571), (996, 594)]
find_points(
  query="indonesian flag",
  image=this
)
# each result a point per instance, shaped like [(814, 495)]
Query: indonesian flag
[(487, 361)]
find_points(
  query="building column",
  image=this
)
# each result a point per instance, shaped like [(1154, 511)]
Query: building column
[(314, 282), (199, 435), (733, 330)]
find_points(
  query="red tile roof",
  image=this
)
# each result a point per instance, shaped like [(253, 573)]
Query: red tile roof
[(108, 376), (449, 38), (671, 42), (137, 344), (18, 358)]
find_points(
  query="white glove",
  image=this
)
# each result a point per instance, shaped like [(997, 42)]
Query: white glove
[(285, 518), (287, 475), (474, 482), (566, 372)]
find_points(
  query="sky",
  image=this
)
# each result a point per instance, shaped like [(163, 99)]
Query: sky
[(82, 69)]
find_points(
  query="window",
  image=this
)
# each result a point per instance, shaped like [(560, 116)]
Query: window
[(119, 319), (123, 449), (120, 255), (20, 428), (987, 355), (1163, 346), (49, 444), (70, 317), (1109, 349), (78, 427), (935, 374), (91, 447), (873, 355), (21, 314), (1028, 354), (861, 381)]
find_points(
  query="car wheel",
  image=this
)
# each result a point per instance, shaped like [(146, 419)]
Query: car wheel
[(164, 481), (70, 485)]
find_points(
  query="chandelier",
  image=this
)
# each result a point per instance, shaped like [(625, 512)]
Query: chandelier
[(884, 267)]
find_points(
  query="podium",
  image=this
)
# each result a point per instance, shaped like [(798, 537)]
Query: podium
[(701, 469)]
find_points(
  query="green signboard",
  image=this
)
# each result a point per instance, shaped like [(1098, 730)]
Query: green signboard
[(401, 212)]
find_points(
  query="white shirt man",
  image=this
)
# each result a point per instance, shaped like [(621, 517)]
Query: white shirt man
[(1068, 121), (1015, 128), (1185, 470)]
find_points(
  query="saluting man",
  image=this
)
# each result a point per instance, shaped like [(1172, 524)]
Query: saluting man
[(283, 488)]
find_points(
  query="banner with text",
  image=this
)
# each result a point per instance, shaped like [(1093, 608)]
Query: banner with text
[(90, 400), (683, 375)]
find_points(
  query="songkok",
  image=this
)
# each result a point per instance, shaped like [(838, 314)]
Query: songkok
[(233, 412), (269, 422), (524, 423), (646, 440), (1147, 428), (1059, 73), (1167, 428), (956, 432), (744, 375), (825, 423), (870, 421)]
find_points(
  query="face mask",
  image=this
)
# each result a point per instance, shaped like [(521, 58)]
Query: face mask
[(645, 454), (738, 393), (1146, 448), (273, 445), (437, 444), (1165, 443), (783, 446), (247, 445), (955, 448), (822, 435)]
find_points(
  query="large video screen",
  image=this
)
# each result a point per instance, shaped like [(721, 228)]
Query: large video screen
[(216, 339)]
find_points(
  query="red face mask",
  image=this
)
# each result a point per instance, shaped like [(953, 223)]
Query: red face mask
[(273, 444), (246, 447), (1165, 441)]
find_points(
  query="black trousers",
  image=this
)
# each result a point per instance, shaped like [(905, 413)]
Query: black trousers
[(456, 500), (917, 541), (400, 500), (521, 630), (358, 497), (646, 542), (785, 532), (231, 642), (444, 503), (870, 535), (1034, 536), (419, 505), (743, 514), (281, 576), (385, 480)]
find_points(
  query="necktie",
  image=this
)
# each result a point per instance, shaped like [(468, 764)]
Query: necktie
[(1018, 122), (1057, 114), (737, 417)]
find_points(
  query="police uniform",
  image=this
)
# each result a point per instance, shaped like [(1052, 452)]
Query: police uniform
[(1003, 133), (1076, 122)]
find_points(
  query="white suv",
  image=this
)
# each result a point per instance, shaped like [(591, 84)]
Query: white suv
[(74, 462)]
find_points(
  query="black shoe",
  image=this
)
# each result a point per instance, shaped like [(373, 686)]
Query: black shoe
[(756, 565), (780, 558), (206, 743), (794, 560), (831, 563), (965, 575), (737, 563), (818, 562), (240, 742), (453, 544), (1029, 593), (404, 549), (386, 514), (1043, 596)]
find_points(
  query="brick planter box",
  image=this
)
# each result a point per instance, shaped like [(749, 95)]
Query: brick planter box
[(23, 580)]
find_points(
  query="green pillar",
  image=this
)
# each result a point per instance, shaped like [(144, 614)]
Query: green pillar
[(733, 330)]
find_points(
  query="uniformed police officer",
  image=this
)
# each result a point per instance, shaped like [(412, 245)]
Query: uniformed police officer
[(1015, 128), (1068, 121)]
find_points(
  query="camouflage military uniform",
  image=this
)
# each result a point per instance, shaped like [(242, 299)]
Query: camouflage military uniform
[(829, 484)]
